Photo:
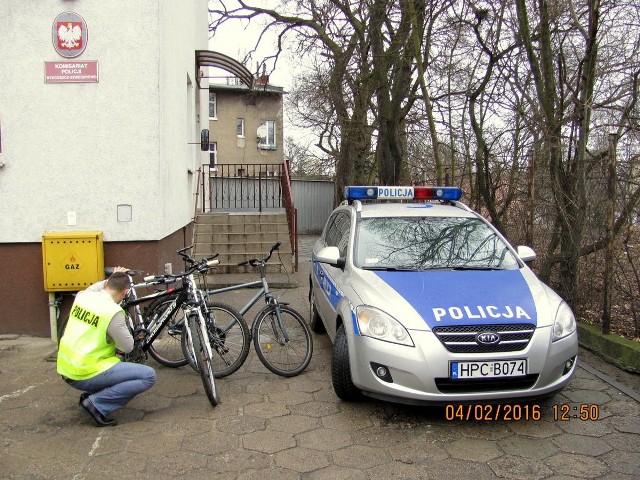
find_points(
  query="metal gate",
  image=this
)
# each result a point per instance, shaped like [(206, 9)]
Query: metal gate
[(234, 194)]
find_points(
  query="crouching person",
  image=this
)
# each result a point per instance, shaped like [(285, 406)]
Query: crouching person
[(87, 352)]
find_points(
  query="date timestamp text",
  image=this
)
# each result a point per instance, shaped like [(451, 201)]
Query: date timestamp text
[(514, 413)]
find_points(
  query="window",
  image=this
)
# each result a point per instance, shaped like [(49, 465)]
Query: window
[(240, 127), (233, 81), (267, 135), (213, 155), (423, 243), (337, 234), (213, 109)]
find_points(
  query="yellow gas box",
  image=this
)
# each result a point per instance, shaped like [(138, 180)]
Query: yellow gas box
[(72, 260)]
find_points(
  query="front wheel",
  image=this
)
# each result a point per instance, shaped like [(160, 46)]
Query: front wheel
[(229, 336), (284, 349), (202, 352), (341, 370)]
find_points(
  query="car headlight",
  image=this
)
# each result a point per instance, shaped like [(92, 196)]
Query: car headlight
[(377, 324), (565, 322)]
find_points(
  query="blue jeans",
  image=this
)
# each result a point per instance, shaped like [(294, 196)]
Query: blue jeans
[(115, 387)]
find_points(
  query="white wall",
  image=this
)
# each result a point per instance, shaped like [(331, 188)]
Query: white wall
[(182, 106), (86, 148)]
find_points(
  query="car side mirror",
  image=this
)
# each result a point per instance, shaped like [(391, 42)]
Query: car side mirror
[(526, 254), (331, 256), (204, 140)]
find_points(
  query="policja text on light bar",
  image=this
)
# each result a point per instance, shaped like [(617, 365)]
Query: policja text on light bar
[(401, 193)]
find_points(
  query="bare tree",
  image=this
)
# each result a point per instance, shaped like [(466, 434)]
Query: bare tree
[(513, 101), (333, 32), (305, 162)]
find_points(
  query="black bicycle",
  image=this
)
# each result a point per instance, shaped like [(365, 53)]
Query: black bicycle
[(189, 301), (183, 313), (161, 336), (227, 330)]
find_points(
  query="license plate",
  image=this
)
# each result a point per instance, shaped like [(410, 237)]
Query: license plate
[(491, 369)]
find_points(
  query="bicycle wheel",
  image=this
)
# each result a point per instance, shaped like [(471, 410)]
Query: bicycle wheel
[(229, 336), (202, 352), (166, 348), (283, 357)]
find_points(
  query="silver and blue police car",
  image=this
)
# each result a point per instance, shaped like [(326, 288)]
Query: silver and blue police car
[(426, 302)]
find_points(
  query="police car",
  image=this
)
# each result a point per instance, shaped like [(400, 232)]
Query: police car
[(426, 302)]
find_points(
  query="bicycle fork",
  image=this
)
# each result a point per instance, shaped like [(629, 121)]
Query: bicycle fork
[(277, 323), (194, 314)]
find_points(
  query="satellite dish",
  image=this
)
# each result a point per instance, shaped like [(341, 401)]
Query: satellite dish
[(262, 131)]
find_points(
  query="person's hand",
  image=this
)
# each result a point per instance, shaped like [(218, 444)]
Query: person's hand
[(120, 269)]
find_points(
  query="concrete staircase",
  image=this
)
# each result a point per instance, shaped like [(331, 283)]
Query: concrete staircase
[(240, 236)]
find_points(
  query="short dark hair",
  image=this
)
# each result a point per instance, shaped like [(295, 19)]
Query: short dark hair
[(119, 281)]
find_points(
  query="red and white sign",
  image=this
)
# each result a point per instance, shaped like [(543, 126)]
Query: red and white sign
[(71, 72), (69, 34)]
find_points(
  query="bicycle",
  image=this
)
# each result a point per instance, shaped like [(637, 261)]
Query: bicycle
[(198, 314), (229, 334), (280, 334), (161, 336), (135, 318), (186, 306)]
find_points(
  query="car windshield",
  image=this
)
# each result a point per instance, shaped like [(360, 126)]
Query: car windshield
[(424, 243)]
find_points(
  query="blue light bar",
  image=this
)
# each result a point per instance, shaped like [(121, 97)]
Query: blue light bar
[(401, 193), (361, 193)]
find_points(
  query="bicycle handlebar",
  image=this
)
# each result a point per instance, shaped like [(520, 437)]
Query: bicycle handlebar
[(189, 259), (254, 261), (108, 271), (201, 266), (156, 279)]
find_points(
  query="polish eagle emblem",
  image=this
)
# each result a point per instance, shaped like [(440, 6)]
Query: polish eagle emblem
[(69, 36)]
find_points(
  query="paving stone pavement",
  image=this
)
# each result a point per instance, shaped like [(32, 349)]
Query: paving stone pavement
[(270, 427)]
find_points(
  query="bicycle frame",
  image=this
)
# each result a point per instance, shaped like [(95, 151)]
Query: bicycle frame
[(258, 283), (262, 292), (160, 322), (135, 301)]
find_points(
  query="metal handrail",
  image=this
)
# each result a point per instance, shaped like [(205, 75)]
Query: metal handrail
[(292, 212), (253, 186)]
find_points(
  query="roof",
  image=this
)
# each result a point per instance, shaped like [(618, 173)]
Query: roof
[(267, 88), (208, 58)]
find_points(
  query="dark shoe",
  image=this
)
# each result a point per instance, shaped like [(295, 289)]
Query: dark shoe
[(98, 418), (83, 395)]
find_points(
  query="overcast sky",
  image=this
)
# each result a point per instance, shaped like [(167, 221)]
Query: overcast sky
[(236, 39)]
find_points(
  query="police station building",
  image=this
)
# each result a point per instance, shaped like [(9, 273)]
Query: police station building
[(100, 121)]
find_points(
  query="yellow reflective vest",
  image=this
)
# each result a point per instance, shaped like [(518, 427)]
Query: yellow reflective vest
[(84, 351)]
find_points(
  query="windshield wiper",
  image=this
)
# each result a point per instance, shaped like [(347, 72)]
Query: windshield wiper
[(392, 269), (468, 267)]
